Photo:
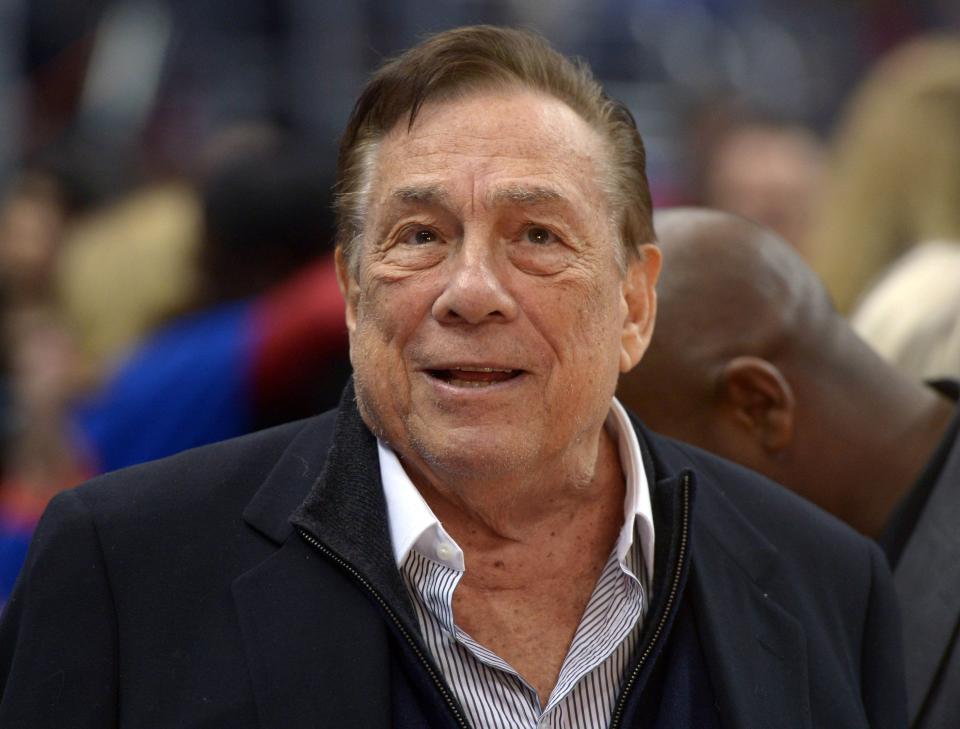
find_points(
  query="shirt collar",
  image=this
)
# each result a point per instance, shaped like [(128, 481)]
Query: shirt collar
[(412, 521), (414, 525), (637, 506)]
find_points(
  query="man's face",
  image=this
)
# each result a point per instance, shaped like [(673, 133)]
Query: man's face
[(488, 316)]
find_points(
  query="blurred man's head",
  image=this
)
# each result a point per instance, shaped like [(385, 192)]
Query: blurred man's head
[(750, 360), (735, 303)]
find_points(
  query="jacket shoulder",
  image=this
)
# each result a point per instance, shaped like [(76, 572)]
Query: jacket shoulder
[(218, 474)]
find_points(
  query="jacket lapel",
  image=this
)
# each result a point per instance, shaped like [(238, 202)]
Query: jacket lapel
[(755, 649), (317, 645), (927, 580), (316, 648)]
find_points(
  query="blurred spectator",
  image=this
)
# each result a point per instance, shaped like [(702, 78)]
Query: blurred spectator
[(769, 171), (896, 172), (41, 457), (264, 338), (31, 226), (259, 336), (912, 315), (750, 360), (128, 265), (39, 373)]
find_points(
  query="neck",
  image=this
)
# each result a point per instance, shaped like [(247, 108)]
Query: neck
[(531, 568), (900, 423), (534, 511), (919, 440)]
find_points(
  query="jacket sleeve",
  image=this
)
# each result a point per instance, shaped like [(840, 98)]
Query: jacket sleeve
[(884, 692), (58, 634)]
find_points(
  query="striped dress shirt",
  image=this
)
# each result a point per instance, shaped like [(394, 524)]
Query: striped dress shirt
[(490, 691)]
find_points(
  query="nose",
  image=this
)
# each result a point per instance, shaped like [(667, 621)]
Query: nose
[(474, 292)]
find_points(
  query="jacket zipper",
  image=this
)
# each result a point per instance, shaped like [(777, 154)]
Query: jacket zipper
[(438, 682), (674, 587)]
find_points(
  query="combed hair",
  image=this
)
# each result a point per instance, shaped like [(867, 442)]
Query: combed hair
[(458, 61)]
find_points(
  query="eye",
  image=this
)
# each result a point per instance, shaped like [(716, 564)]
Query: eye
[(539, 236), (538, 250), (420, 236)]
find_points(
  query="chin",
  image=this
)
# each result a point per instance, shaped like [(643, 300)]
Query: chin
[(472, 453)]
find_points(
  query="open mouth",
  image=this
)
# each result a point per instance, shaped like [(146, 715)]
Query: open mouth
[(474, 376)]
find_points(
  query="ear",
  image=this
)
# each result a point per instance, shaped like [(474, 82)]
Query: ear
[(760, 400), (348, 287), (640, 300)]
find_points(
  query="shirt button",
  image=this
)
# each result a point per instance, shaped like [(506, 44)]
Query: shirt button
[(445, 551)]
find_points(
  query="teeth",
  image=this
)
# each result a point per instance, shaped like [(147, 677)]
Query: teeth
[(482, 369), (470, 383)]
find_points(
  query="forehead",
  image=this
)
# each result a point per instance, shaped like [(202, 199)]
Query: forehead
[(490, 140)]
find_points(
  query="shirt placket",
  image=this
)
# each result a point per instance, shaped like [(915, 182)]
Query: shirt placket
[(436, 595), (614, 609)]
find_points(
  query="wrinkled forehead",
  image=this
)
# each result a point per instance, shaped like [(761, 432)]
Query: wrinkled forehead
[(494, 140)]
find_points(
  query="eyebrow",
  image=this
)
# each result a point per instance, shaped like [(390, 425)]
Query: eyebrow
[(437, 195), (423, 194), (523, 195)]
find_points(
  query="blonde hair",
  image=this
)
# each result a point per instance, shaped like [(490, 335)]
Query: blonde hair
[(896, 176), (466, 59)]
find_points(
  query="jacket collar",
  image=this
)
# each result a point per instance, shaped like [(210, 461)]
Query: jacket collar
[(290, 479), (346, 510)]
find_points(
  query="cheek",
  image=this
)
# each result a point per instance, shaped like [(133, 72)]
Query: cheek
[(596, 322), (381, 310), (597, 357), (371, 341), (580, 320), (376, 356), (388, 315), (388, 285)]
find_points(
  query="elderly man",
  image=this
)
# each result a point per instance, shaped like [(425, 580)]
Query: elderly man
[(778, 381), (480, 536)]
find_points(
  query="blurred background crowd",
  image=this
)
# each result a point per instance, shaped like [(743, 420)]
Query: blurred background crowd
[(166, 171)]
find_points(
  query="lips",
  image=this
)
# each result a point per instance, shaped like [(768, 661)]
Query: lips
[(470, 376)]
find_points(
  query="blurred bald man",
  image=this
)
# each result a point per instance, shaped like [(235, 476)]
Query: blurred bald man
[(751, 361)]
